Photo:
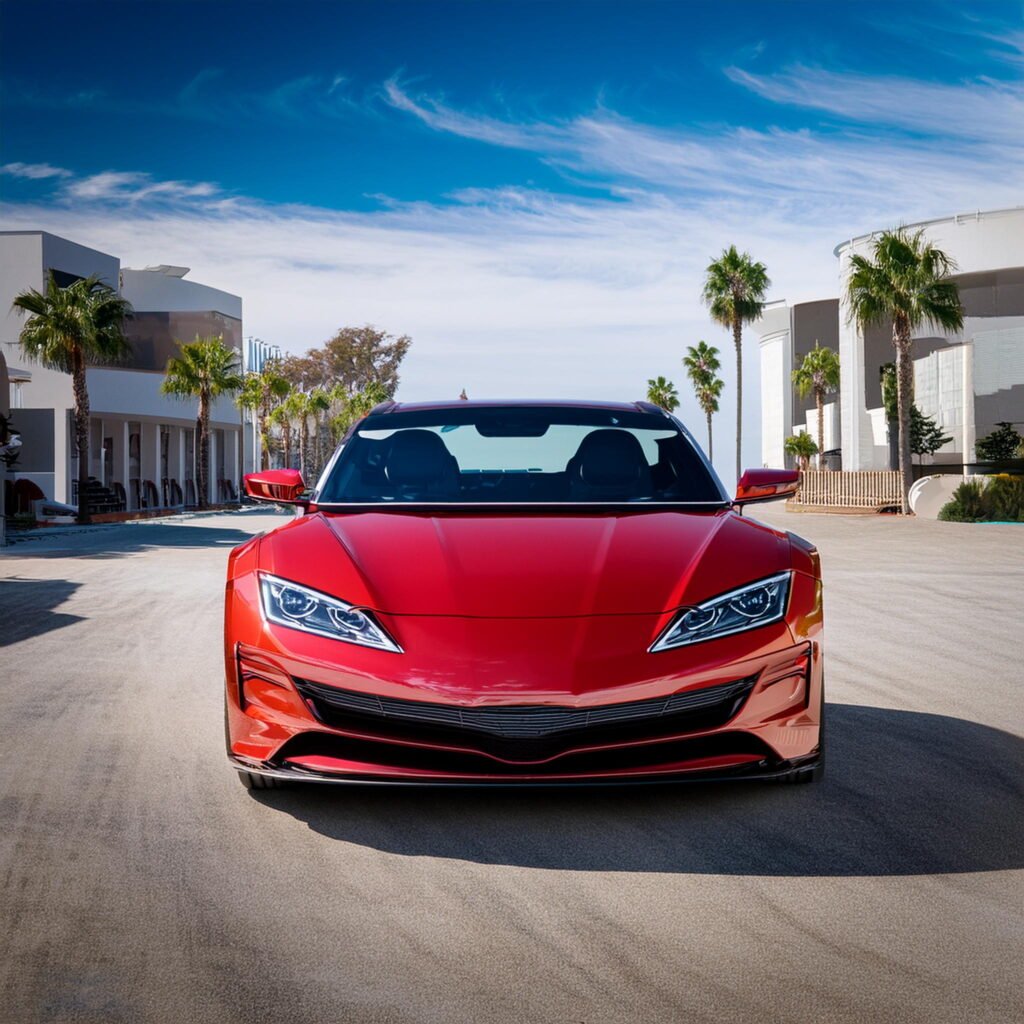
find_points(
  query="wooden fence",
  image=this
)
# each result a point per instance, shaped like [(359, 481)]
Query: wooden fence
[(857, 489)]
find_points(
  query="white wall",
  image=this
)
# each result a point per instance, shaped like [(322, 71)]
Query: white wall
[(137, 393), (150, 291)]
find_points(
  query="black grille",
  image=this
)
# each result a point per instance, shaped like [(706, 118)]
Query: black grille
[(529, 732)]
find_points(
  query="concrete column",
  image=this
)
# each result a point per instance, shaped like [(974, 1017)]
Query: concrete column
[(61, 456), (179, 433), (211, 483), (125, 463), (969, 426), (103, 459), (234, 446)]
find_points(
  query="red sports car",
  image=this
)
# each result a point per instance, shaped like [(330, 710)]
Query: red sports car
[(511, 593)]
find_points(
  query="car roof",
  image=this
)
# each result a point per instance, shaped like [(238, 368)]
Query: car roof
[(558, 403)]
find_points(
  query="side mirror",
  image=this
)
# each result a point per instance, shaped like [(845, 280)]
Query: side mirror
[(281, 485), (766, 485)]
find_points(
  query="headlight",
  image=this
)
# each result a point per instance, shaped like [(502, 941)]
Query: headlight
[(756, 604), (289, 604)]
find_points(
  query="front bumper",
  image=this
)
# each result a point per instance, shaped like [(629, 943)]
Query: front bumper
[(747, 706), (763, 724)]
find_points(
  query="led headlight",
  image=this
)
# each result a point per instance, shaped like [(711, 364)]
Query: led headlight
[(290, 604), (756, 604)]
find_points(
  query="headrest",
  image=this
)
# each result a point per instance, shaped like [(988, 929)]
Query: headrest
[(610, 463), (417, 458)]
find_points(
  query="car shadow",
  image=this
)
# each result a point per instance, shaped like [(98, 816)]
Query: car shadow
[(26, 607), (905, 793), (123, 539)]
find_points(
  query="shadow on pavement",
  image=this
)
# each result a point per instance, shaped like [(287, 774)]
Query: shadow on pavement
[(906, 793), (26, 607), (127, 539)]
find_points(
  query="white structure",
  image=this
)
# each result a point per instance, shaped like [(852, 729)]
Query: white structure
[(968, 381), (142, 443)]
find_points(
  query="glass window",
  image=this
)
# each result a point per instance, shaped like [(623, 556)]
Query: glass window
[(519, 455)]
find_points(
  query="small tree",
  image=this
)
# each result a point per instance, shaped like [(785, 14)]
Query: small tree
[(801, 446), (1000, 445), (926, 436), (205, 369), (662, 392), (260, 393), (702, 366), (818, 374)]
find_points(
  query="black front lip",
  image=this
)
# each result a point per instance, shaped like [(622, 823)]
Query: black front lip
[(758, 771)]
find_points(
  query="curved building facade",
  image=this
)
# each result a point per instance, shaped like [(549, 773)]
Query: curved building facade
[(968, 381)]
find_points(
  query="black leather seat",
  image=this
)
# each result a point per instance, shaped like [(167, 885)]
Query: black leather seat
[(609, 464), (420, 468)]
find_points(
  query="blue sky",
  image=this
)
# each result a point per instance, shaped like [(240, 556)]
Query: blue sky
[(530, 190)]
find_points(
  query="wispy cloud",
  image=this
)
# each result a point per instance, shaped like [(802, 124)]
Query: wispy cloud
[(34, 172), (984, 109), (842, 173), (136, 187)]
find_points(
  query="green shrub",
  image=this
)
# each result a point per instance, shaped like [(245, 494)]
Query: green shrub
[(967, 504), (1000, 445), (1004, 498), (999, 499)]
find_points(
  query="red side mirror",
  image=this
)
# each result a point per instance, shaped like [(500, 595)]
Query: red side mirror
[(280, 485), (766, 485)]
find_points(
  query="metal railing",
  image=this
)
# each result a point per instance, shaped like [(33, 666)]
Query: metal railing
[(855, 489)]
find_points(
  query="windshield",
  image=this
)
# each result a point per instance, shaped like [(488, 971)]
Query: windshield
[(518, 455)]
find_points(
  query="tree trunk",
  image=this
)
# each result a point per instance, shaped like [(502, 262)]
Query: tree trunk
[(303, 445), (737, 337), (203, 435), (263, 412), (819, 400), (711, 450), (81, 393), (287, 445), (904, 398)]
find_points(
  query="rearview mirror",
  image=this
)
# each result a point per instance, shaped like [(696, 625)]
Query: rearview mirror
[(766, 485), (281, 485)]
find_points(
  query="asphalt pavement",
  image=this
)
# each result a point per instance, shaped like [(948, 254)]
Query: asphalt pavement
[(140, 883)]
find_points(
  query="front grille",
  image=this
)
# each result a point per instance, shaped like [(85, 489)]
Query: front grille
[(526, 732)]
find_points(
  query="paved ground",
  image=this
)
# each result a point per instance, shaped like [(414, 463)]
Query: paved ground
[(141, 883)]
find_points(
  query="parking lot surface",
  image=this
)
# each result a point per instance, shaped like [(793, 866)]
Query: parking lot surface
[(140, 882)]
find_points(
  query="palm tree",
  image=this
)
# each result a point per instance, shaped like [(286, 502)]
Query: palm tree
[(286, 416), (205, 369), (702, 366), (802, 447), (260, 392), (67, 329), (662, 393), (309, 404), (905, 281), (818, 374), (734, 291)]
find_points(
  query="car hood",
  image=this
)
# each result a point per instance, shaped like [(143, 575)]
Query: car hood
[(524, 565)]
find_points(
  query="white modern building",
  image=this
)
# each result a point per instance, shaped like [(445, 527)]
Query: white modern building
[(968, 381), (142, 443)]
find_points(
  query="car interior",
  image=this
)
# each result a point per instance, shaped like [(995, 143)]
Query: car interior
[(415, 465)]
